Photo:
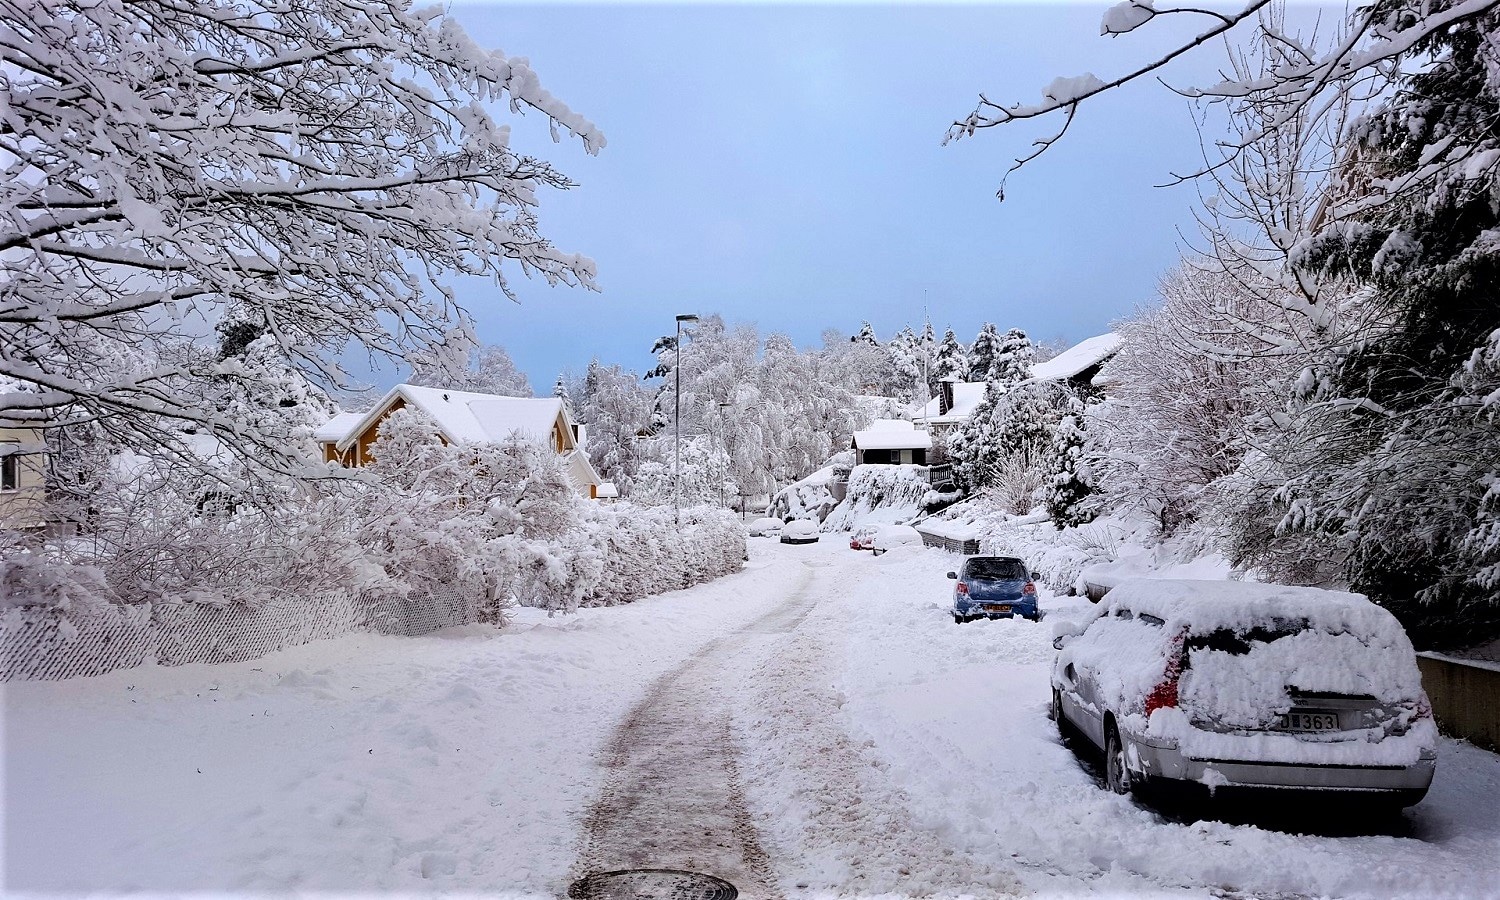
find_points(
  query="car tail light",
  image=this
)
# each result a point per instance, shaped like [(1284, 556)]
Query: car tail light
[(1164, 695), (961, 588), (1029, 589)]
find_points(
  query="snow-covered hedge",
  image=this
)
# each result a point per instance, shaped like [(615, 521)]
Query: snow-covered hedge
[(425, 523), (880, 494), (643, 550)]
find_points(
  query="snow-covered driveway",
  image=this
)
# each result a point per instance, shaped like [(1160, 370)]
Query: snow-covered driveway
[(835, 731)]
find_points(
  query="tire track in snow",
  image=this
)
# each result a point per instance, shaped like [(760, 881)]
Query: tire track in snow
[(834, 818), (674, 798)]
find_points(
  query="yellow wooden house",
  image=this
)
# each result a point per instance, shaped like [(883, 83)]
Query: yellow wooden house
[(464, 417)]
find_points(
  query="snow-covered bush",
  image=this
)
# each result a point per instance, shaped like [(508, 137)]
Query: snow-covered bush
[(645, 551), (811, 497), (886, 494)]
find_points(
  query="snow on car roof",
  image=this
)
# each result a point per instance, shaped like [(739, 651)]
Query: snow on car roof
[(1205, 606)]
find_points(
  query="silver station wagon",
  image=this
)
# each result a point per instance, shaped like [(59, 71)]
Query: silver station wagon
[(1241, 685)]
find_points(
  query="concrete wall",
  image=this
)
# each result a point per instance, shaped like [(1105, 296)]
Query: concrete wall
[(1465, 698)]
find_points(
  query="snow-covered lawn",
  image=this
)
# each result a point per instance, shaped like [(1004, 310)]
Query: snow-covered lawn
[(884, 750)]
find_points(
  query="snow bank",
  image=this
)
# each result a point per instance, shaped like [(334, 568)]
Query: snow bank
[(880, 494)]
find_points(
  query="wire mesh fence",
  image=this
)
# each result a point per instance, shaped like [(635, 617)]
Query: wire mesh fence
[(44, 643)]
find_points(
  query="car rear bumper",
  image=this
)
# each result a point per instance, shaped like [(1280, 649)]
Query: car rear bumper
[(976, 608), (1169, 763)]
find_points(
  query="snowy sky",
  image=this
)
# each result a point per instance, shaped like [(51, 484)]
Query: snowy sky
[(783, 165)]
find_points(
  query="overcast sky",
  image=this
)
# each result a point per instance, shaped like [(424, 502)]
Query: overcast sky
[(784, 165)]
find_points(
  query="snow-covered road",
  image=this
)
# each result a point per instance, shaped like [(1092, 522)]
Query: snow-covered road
[(817, 720)]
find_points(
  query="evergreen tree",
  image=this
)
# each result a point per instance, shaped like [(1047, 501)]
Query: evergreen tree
[(560, 391), (951, 362), (1399, 432), (1067, 483), (1013, 360), (984, 353), (866, 336)]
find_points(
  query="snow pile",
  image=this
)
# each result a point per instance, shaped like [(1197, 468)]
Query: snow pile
[(810, 497), (880, 494), (1103, 552)]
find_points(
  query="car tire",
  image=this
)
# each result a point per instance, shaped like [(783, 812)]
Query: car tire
[(1116, 773)]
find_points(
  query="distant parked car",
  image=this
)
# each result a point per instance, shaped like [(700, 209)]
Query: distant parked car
[(863, 537), (766, 527), (888, 537), (800, 531), (994, 587), (1244, 686)]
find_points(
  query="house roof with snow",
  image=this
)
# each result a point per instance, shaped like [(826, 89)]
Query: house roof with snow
[(1077, 358), (966, 396), (892, 434), (335, 428), (462, 416)]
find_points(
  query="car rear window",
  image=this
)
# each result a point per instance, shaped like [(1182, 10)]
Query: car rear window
[(995, 569), (1239, 641)]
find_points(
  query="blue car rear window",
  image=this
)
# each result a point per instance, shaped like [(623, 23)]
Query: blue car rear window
[(995, 569)]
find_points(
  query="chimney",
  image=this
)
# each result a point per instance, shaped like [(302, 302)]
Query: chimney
[(945, 397)]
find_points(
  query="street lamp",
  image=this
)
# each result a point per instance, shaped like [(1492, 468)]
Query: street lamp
[(677, 422), (724, 445)]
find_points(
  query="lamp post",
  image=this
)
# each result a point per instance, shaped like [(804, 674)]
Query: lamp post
[(724, 445), (677, 422)]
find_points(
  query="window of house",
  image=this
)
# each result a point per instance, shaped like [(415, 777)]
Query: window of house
[(10, 472)]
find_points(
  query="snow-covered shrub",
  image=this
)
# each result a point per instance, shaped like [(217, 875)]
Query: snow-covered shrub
[(30, 578), (811, 497), (644, 551), (888, 494)]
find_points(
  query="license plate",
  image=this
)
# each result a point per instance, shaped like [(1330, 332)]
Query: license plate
[(997, 607), (1310, 720)]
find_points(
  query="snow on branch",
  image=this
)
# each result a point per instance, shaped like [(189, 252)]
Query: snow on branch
[(1379, 38), (309, 171)]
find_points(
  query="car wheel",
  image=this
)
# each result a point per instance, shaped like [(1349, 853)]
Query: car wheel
[(1116, 775), (1054, 712)]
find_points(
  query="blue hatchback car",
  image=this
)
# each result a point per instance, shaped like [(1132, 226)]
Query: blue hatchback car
[(994, 587)]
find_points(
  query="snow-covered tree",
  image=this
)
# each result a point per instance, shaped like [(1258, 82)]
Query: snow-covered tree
[(865, 335), (906, 378), (951, 362), (983, 353), (1012, 362), (616, 407), (1068, 486), (310, 169), (490, 370)]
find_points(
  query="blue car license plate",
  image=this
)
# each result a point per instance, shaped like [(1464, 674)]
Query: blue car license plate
[(997, 607)]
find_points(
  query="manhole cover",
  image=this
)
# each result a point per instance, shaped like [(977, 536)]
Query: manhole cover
[(652, 884)]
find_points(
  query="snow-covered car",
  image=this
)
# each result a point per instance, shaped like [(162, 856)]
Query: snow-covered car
[(889, 537), (863, 537), (994, 587), (765, 527), (800, 531), (1240, 685)]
